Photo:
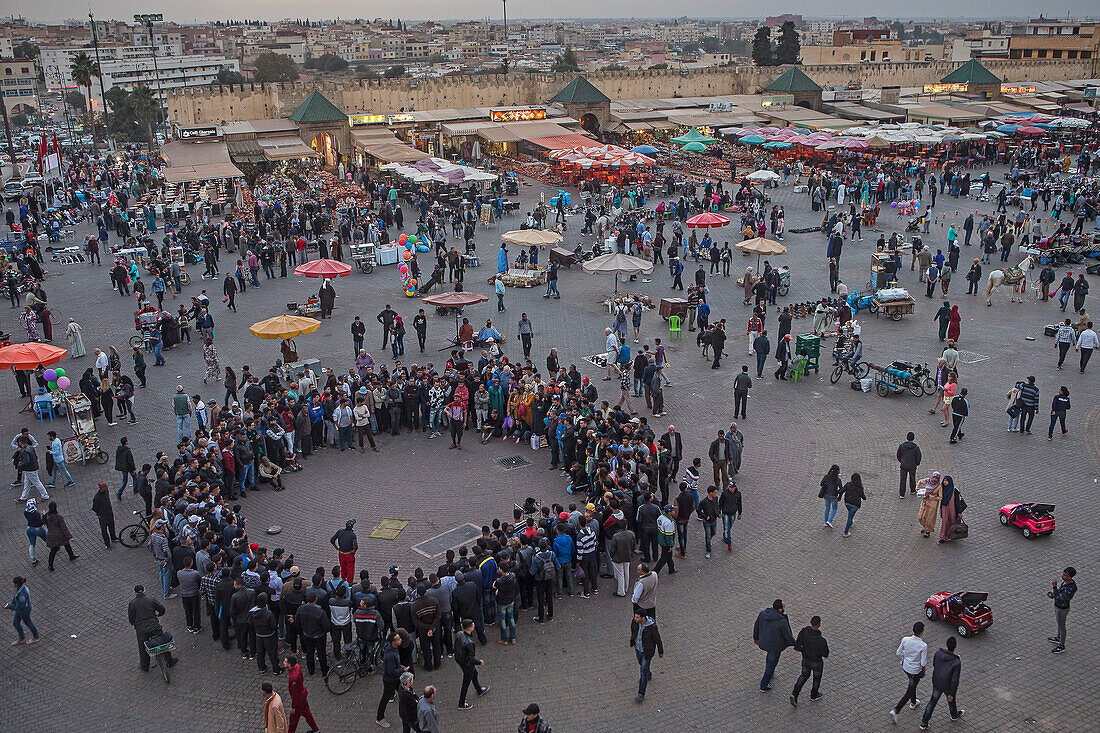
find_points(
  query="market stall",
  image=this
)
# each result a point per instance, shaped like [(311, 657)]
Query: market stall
[(285, 327), (618, 264)]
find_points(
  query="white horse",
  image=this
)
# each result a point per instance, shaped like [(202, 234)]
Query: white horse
[(1014, 276)]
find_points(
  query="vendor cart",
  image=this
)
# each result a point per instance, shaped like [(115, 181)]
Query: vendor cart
[(364, 257), (895, 309), (84, 444)]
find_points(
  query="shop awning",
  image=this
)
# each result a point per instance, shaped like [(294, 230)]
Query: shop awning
[(662, 125), (529, 130), (383, 145), (245, 151), (498, 134), (197, 161), (561, 142), (636, 126), (461, 129), (289, 147)]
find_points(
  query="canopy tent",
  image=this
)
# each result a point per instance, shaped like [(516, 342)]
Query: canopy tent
[(762, 246), (30, 355), (284, 327), (323, 268), (763, 175), (528, 237), (693, 136), (457, 300), (438, 169), (708, 220), (695, 148), (618, 264), (189, 161)]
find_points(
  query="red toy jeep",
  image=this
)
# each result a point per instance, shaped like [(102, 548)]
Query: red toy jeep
[(1032, 519), (966, 610)]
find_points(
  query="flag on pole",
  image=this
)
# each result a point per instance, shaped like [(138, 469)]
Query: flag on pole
[(56, 147), (41, 152)]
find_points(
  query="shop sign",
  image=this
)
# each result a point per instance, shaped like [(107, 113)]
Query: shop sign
[(354, 120), (944, 88), (196, 133), (517, 115), (777, 100), (1018, 89), (848, 95), (394, 119)]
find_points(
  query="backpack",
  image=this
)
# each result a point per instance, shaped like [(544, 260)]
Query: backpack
[(960, 503), (547, 571)]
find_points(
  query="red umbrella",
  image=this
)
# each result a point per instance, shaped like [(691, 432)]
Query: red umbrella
[(708, 219), (455, 300), (30, 355), (323, 268)]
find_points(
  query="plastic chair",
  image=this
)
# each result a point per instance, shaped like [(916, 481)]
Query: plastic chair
[(674, 327), (43, 408)]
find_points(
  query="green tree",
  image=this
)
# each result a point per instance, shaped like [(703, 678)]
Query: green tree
[(228, 76), (26, 50), (329, 62), (436, 58), (762, 47), (83, 69), (274, 67), (146, 109), (659, 67), (613, 67), (366, 72), (395, 71), (566, 61), (789, 47), (689, 48), (711, 44), (76, 100)]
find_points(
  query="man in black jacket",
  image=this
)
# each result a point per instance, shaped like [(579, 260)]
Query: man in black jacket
[(239, 605), (262, 622), (946, 668), (314, 623), (909, 457), (124, 464), (142, 487), (466, 604), (224, 593), (674, 444), (814, 649), (101, 507), (772, 633), (143, 613), (426, 616), (293, 596), (466, 658), (960, 408)]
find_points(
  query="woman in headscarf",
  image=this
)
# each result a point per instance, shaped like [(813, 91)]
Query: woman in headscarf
[(947, 508), (210, 356), (36, 529), (327, 296), (930, 504), (75, 334), (89, 387), (954, 320), (58, 535), (30, 322)]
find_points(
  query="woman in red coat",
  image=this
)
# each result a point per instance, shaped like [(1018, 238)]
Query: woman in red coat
[(954, 319)]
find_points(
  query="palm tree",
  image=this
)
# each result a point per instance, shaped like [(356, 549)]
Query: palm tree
[(84, 68), (146, 108)]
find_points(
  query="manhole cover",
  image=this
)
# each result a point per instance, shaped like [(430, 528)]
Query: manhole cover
[(971, 357), (512, 462), (388, 529)]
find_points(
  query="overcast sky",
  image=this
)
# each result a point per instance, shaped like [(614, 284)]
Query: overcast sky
[(198, 10)]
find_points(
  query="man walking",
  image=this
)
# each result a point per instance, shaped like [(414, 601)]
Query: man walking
[(358, 331), (913, 653), (1062, 595), (909, 457), (468, 662), (1086, 343), (742, 383), (772, 633), (646, 640), (525, 331), (621, 547), (729, 503), (708, 511), (299, 702), (125, 464), (719, 458), (1064, 339), (101, 507), (57, 456), (761, 347), (946, 668), (960, 408), (386, 319), (814, 649), (346, 543)]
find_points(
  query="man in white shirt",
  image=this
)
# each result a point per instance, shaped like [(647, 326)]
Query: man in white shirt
[(612, 349), (101, 363), (914, 657), (1086, 342)]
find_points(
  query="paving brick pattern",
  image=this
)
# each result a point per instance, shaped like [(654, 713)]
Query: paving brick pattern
[(869, 588)]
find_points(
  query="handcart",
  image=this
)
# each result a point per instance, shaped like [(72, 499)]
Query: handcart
[(891, 380), (895, 309), (364, 257), (84, 444)]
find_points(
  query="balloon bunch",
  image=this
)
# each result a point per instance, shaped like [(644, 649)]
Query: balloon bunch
[(906, 208), (56, 378), (408, 283)]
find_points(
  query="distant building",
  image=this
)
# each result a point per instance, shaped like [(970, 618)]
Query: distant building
[(18, 79), (1041, 38), (774, 21)]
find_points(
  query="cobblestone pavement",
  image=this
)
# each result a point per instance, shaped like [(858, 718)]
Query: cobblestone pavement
[(869, 589)]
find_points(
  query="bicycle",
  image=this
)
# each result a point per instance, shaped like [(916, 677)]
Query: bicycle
[(163, 656), (357, 662), (858, 370), (135, 535)]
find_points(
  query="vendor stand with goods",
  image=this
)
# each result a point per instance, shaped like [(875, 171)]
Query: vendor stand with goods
[(894, 302), (286, 328), (522, 273), (84, 443)]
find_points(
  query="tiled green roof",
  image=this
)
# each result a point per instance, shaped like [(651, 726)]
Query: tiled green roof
[(793, 79), (972, 72), (317, 108), (580, 91)]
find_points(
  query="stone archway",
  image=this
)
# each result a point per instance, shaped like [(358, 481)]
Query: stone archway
[(329, 149), (590, 123)]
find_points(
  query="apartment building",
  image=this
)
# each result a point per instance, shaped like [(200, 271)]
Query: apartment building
[(18, 80), (1042, 38)]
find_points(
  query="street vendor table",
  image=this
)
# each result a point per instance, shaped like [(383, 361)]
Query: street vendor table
[(387, 255), (563, 257), (895, 309), (530, 278), (673, 307)]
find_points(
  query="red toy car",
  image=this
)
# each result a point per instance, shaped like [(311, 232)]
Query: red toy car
[(966, 610), (1032, 519)]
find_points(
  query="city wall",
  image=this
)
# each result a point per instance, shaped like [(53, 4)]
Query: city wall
[(250, 102)]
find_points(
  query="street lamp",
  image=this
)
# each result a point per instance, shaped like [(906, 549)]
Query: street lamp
[(102, 91), (54, 72), (147, 19)]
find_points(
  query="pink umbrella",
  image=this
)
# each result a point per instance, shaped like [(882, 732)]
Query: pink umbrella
[(705, 220), (856, 144), (1029, 130)]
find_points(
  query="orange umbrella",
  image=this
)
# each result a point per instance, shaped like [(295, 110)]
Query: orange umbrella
[(30, 355), (323, 268)]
